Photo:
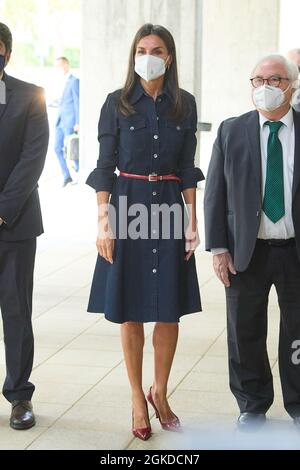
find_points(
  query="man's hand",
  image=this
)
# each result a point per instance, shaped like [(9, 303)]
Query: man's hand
[(1, 221), (222, 265), (105, 241), (76, 128)]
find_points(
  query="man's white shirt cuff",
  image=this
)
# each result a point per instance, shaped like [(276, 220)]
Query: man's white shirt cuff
[(219, 251)]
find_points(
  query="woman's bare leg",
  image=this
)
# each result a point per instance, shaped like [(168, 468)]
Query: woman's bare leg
[(165, 338), (133, 339)]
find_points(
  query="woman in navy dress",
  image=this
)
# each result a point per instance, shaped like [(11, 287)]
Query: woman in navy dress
[(145, 273)]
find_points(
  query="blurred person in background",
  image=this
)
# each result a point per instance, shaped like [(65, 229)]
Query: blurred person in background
[(24, 134), (68, 117), (294, 56)]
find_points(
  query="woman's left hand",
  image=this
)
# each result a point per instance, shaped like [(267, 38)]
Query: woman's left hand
[(192, 239)]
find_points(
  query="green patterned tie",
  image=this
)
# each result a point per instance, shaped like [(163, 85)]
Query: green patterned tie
[(273, 205)]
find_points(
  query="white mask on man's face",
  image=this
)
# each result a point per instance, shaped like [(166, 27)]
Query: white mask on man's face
[(269, 98), (150, 67)]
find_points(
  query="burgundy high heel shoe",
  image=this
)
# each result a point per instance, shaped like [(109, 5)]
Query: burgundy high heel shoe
[(142, 433), (173, 425)]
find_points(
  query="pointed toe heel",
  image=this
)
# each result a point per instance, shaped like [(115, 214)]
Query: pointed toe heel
[(142, 433), (173, 426)]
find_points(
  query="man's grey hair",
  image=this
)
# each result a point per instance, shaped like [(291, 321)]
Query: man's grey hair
[(291, 68)]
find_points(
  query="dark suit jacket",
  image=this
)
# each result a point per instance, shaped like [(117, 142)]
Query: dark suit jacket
[(68, 113), (24, 135), (233, 195)]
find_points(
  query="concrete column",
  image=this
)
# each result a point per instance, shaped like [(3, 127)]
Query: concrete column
[(108, 30), (218, 43), (289, 25), (235, 35)]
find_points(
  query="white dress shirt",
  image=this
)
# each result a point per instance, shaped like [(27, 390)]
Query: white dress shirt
[(284, 228), (2, 101)]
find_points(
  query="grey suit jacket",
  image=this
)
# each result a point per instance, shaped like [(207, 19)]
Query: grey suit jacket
[(233, 195)]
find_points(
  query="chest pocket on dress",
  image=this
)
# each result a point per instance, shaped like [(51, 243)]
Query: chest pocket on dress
[(133, 133), (176, 133)]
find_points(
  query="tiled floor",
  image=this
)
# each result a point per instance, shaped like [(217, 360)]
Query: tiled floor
[(82, 398)]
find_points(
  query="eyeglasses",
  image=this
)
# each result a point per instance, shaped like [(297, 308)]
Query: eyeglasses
[(272, 81)]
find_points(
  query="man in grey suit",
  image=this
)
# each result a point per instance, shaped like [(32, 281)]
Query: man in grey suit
[(252, 217)]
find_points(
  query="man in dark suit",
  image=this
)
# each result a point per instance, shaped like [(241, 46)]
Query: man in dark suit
[(252, 215), (24, 137), (68, 116)]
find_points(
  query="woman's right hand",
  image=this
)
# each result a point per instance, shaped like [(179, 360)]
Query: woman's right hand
[(105, 240)]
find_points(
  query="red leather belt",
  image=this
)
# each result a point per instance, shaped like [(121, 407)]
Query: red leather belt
[(152, 178)]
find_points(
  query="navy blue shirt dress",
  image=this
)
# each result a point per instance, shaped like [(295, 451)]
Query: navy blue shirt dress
[(149, 280)]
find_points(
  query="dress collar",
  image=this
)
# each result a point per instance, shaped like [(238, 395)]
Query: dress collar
[(139, 91)]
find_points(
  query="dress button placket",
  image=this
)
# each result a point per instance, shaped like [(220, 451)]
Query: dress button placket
[(155, 200)]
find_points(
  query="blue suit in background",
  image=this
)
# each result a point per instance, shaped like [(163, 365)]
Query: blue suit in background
[(68, 117)]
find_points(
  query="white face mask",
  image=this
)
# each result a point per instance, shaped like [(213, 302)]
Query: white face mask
[(269, 98), (150, 67)]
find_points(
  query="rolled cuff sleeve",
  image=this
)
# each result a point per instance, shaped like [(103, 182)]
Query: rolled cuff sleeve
[(190, 177), (101, 180), (187, 172), (103, 176)]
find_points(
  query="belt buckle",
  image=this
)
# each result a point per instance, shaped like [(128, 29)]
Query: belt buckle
[(152, 177)]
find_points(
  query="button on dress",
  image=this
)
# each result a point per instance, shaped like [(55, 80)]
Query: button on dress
[(149, 280)]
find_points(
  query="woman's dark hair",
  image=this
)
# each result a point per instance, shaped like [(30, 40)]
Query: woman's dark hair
[(6, 37), (171, 77)]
